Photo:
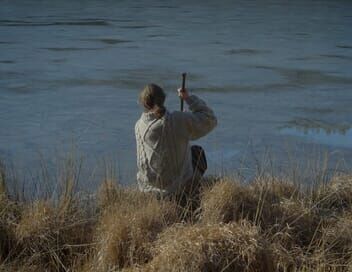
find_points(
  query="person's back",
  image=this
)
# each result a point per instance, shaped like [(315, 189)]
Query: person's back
[(164, 156)]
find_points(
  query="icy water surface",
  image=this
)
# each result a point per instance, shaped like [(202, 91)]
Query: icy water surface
[(70, 73)]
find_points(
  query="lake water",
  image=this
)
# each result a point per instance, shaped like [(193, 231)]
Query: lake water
[(278, 75)]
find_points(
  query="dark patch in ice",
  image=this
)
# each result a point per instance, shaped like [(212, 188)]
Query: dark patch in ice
[(114, 41), (245, 51), (317, 57), (344, 46), (5, 42), (245, 88), (58, 60), (160, 35), (7, 61), (109, 40), (69, 48), (166, 7), (133, 46), (303, 58), (316, 110), (138, 26), (120, 20), (58, 23), (343, 57)]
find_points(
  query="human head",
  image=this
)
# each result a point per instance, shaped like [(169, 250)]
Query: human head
[(152, 97)]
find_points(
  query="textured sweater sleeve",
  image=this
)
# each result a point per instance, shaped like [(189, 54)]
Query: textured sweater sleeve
[(200, 120)]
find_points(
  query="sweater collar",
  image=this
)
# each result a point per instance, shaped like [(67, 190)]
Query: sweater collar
[(149, 116)]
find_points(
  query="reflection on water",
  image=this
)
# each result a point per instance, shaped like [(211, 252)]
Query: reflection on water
[(307, 125), (330, 137), (328, 133), (304, 77)]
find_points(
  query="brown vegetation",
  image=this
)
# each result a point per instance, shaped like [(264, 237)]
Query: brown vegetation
[(214, 247), (266, 225), (127, 226)]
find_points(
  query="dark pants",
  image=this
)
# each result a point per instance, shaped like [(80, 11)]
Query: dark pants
[(190, 192), (199, 160)]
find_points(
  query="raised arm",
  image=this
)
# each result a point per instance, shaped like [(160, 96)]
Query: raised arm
[(200, 120)]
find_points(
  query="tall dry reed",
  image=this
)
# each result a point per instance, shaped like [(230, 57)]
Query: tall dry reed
[(270, 224)]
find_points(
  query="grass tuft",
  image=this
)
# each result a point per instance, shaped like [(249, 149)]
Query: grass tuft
[(128, 226), (212, 247)]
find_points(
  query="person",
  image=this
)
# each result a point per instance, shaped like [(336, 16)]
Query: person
[(164, 155)]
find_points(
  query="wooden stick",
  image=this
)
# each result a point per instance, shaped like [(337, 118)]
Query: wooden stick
[(183, 87)]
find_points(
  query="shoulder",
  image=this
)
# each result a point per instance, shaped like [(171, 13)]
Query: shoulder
[(180, 119), (176, 115)]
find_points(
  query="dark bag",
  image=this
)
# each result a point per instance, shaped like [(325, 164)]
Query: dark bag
[(199, 161)]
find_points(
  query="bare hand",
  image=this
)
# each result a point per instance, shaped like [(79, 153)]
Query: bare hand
[(183, 93)]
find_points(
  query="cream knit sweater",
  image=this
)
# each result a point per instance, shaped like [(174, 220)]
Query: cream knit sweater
[(163, 151)]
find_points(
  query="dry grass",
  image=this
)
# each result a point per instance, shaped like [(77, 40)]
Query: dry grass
[(336, 242), (274, 205), (228, 201), (8, 217), (52, 236), (127, 227), (267, 225), (334, 197), (214, 247), (44, 235)]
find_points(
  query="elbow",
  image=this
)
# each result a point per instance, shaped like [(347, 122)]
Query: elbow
[(212, 123)]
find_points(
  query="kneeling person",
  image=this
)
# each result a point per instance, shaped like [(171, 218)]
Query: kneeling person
[(164, 155)]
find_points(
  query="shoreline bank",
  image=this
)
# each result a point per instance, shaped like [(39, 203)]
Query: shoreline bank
[(270, 224)]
